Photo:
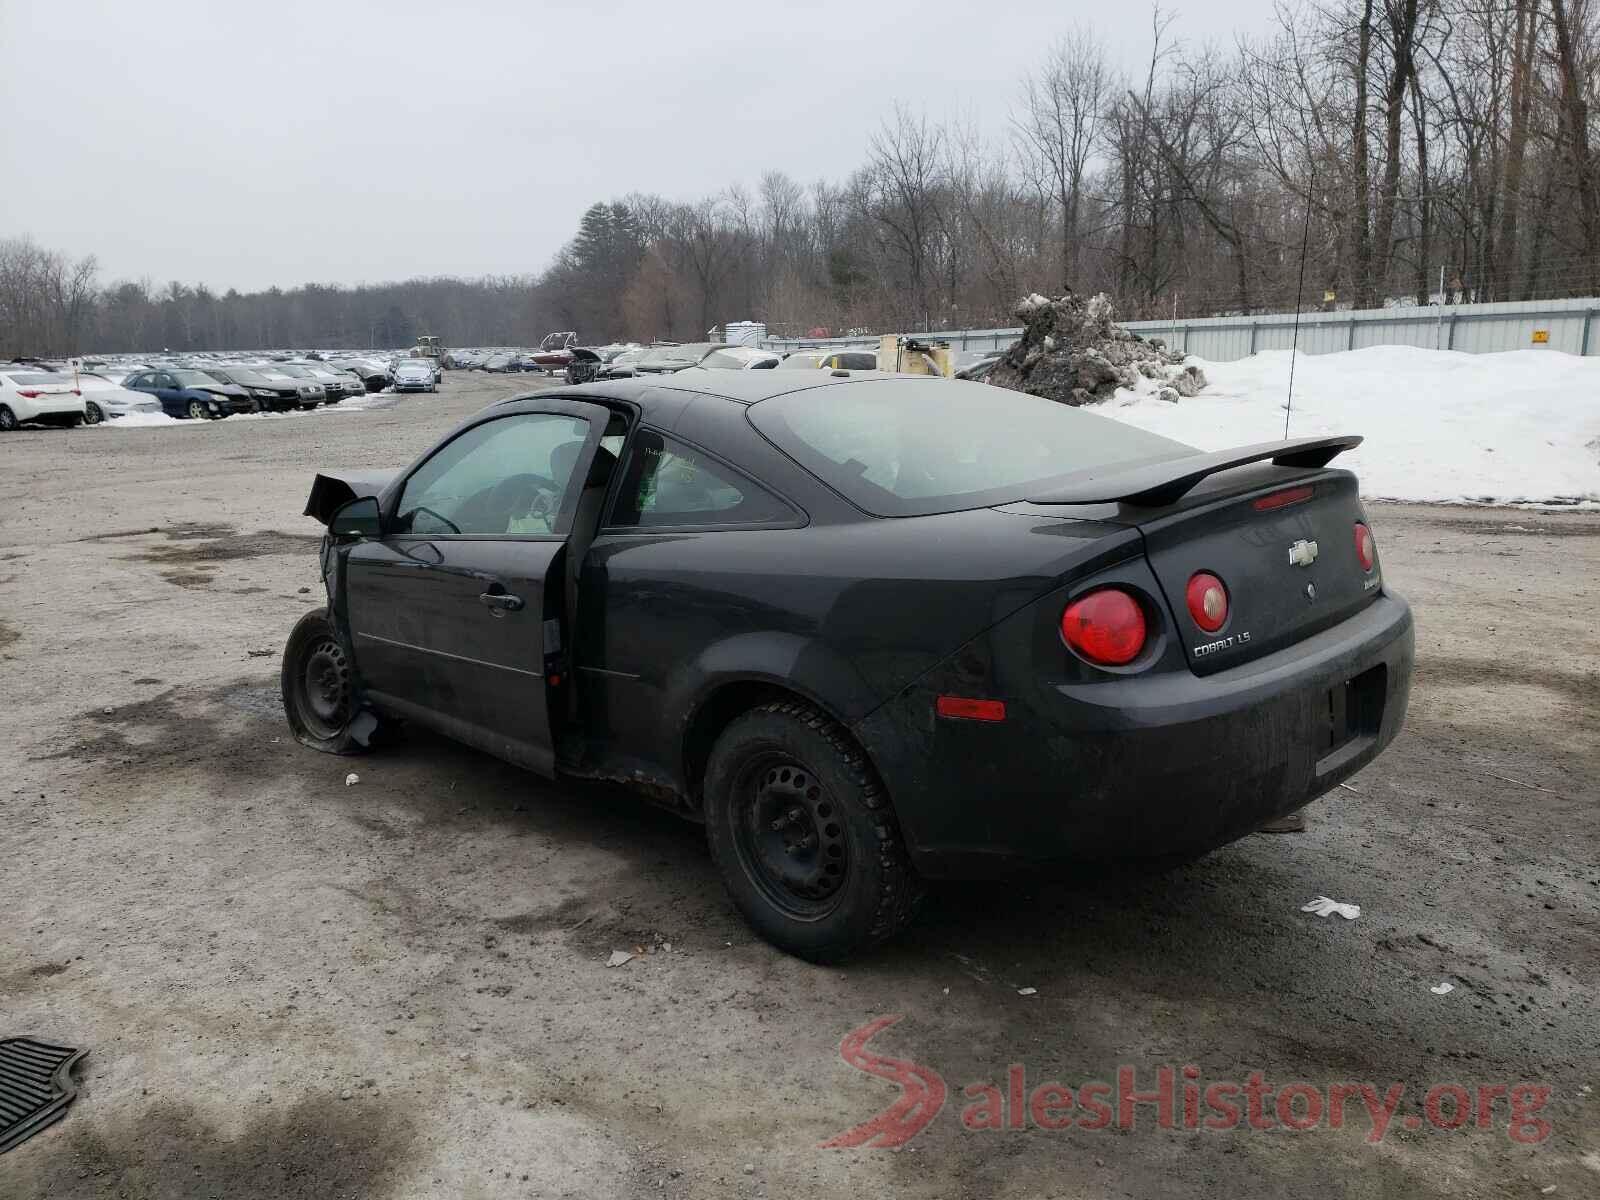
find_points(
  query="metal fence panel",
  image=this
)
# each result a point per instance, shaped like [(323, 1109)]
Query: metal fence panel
[(1570, 326)]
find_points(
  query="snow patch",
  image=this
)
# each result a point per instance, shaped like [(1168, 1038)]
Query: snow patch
[(146, 420), (1516, 428)]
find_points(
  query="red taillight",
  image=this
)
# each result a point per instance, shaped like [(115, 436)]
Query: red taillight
[(965, 708), (1284, 499), (1366, 548), (27, 395), (1106, 627), (1208, 601)]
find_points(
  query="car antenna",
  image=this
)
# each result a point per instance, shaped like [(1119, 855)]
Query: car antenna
[(1300, 289)]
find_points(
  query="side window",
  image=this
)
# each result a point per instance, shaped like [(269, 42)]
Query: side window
[(505, 477), (668, 483), (163, 380)]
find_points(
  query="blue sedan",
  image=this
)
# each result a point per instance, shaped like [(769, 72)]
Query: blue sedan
[(185, 394)]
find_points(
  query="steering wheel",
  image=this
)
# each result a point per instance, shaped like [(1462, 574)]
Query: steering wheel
[(526, 496)]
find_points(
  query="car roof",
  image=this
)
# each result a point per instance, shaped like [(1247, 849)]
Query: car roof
[(740, 387)]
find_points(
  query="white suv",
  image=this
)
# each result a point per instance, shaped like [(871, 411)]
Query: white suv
[(27, 394)]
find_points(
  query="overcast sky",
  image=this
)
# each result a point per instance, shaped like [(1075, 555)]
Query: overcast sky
[(241, 144)]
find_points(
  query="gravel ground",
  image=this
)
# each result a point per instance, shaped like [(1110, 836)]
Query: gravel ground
[(293, 987)]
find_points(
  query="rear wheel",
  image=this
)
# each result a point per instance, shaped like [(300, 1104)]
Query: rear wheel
[(317, 682), (92, 413), (804, 835), (8, 420)]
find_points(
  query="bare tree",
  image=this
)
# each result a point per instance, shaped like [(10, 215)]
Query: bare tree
[(1568, 18), (901, 195), (1059, 128)]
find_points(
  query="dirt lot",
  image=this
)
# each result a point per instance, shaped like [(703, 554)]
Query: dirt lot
[(291, 987)]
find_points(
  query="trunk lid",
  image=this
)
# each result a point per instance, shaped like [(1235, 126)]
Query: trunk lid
[(1289, 563)]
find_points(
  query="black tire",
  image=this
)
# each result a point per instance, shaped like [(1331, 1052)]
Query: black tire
[(317, 680), (197, 411), (8, 420), (804, 834), (92, 414)]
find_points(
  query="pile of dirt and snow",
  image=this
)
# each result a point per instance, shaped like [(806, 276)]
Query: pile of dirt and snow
[(1516, 428), (1072, 350)]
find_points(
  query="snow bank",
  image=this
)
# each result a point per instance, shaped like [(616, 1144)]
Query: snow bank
[(146, 420), (1515, 428)]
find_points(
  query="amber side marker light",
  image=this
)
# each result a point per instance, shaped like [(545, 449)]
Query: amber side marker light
[(965, 708)]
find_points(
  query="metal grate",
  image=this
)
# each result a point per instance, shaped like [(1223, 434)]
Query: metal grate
[(35, 1087)]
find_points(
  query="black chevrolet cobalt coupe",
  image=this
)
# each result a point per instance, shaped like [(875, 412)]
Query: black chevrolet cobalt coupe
[(868, 629)]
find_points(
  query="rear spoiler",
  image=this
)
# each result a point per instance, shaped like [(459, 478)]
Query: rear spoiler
[(1154, 484), (332, 491)]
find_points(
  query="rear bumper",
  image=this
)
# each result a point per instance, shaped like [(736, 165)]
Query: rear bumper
[(25, 409), (1161, 765)]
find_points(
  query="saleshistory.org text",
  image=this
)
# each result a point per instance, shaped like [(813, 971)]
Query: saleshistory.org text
[(1178, 1098)]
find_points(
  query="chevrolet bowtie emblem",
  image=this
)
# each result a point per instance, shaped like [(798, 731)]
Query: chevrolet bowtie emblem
[(1302, 554)]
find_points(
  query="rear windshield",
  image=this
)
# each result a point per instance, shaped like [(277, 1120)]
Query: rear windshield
[(856, 360), (905, 448), (736, 359), (37, 379)]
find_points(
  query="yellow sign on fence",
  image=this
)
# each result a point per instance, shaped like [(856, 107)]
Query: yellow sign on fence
[(1541, 336)]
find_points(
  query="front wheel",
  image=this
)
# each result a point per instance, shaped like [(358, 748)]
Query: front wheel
[(317, 680), (92, 413), (804, 835), (197, 411)]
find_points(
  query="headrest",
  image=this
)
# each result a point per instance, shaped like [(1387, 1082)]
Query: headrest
[(565, 456)]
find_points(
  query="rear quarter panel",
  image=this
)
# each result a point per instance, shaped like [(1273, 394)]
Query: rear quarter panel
[(844, 614)]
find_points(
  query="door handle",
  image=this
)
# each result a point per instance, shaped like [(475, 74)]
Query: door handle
[(501, 601)]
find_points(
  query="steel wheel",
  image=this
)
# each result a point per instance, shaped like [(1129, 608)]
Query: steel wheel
[(92, 413), (323, 697), (789, 836)]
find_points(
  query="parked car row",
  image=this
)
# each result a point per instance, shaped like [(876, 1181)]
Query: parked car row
[(627, 363), (56, 394), (584, 364)]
